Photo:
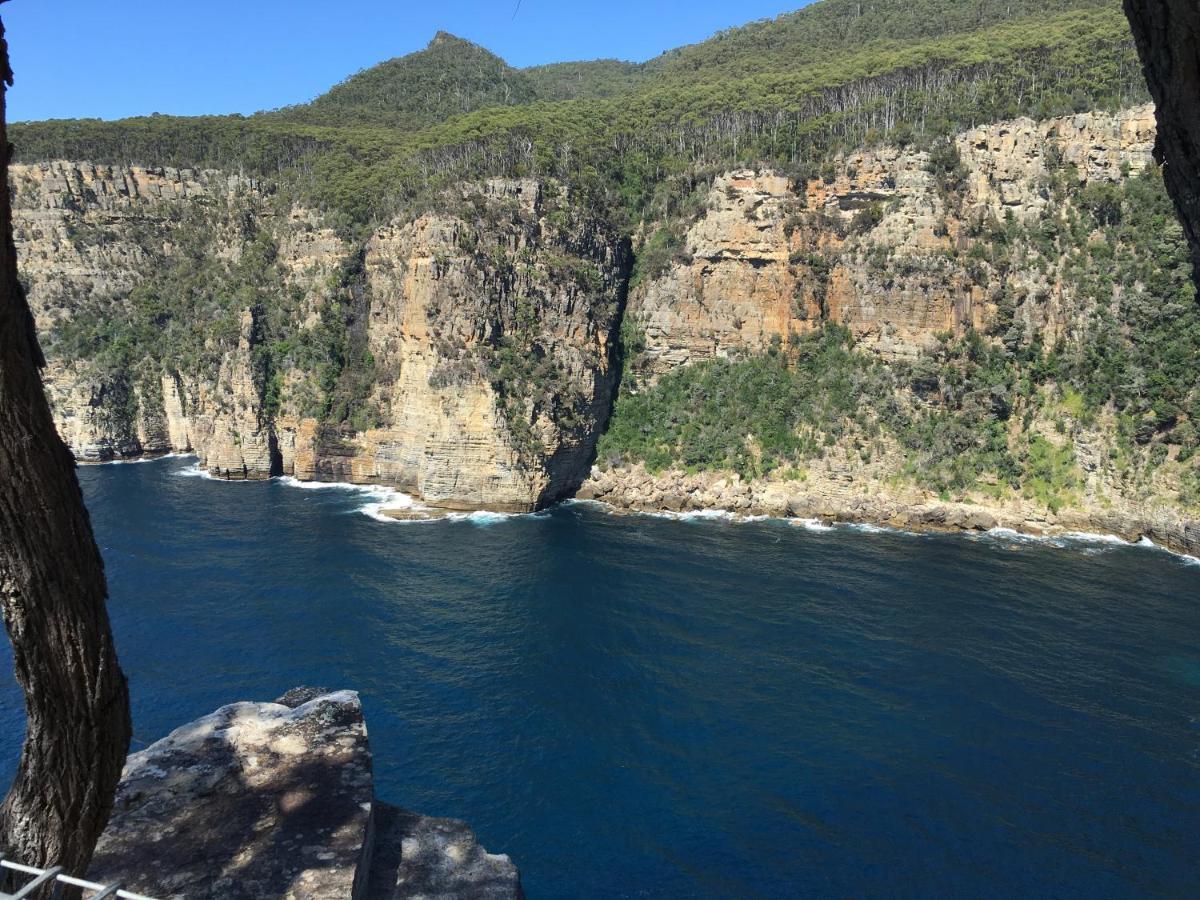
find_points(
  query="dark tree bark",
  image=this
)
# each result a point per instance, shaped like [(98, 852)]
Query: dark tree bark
[(1167, 33), (53, 591)]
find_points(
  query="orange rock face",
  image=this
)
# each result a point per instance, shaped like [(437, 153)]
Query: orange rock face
[(868, 244)]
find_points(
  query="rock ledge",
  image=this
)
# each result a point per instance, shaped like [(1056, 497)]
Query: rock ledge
[(262, 800)]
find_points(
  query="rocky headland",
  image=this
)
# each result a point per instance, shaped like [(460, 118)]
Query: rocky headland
[(766, 260), (483, 337)]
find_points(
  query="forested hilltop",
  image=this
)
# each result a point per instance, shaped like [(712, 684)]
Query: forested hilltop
[(910, 252), (836, 75)]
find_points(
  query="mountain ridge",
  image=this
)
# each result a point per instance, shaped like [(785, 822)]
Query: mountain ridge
[(782, 43)]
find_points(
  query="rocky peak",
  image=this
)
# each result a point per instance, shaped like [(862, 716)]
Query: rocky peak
[(448, 77), (444, 39)]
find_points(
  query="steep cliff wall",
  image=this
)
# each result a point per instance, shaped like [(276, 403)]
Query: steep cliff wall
[(87, 236), (1020, 323), (86, 230), (466, 356), (469, 354), (492, 335), (872, 244)]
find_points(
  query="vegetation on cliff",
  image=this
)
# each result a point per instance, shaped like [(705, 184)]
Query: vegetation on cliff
[(969, 414), (186, 316)]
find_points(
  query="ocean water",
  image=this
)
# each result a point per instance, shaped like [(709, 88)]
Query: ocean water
[(651, 707)]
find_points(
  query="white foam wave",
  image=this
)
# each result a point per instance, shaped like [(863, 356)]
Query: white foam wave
[(872, 528), (703, 515), (1061, 539), (1182, 557), (377, 497), (1012, 536), (1090, 543), (380, 498), (480, 517), (706, 515), (698, 515), (1087, 542), (143, 459), (195, 470), (484, 517), (370, 489), (375, 510), (1088, 537), (809, 524)]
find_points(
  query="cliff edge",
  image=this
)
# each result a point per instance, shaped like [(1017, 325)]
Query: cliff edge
[(262, 800)]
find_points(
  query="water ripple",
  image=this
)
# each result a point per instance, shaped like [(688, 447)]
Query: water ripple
[(681, 707)]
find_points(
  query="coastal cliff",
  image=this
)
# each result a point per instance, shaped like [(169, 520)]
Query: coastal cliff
[(493, 336), (469, 354), (951, 273), (873, 244)]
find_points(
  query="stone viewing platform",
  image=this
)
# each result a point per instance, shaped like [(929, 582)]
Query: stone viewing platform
[(261, 800)]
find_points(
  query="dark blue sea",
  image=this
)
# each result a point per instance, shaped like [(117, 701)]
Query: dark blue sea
[(636, 706)]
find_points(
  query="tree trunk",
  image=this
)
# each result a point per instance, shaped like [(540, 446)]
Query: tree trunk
[(1167, 33), (53, 592)]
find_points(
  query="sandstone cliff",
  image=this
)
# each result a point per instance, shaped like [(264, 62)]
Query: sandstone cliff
[(87, 235), (466, 355), (868, 244), (493, 334), (910, 252)]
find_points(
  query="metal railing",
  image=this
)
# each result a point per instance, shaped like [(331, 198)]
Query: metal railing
[(43, 878)]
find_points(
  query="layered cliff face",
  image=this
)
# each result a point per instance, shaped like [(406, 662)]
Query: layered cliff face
[(1021, 328), (466, 356), (491, 334), (872, 244), (87, 236), (86, 230)]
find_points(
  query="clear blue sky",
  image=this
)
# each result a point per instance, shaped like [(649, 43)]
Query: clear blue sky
[(134, 57)]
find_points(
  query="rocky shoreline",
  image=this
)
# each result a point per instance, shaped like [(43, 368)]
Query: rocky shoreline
[(834, 500), (829, 499), (765, 261)]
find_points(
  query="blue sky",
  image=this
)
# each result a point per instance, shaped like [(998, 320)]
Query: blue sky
[(108, 60)]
